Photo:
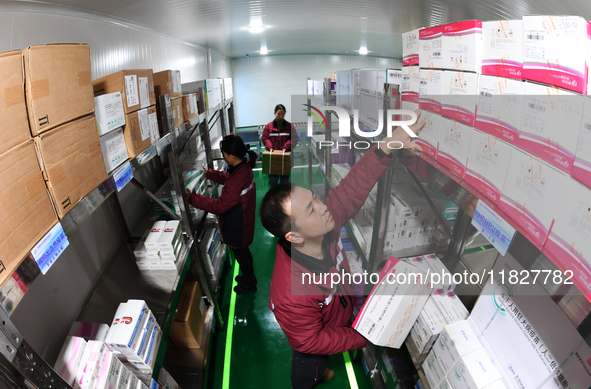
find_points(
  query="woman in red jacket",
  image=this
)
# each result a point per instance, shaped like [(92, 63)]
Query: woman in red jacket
[(279, 135), (236, 206)]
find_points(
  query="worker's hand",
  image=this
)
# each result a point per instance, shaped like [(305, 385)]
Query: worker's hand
[(204, 170), (270, 150), (400, 135), (189, 193)]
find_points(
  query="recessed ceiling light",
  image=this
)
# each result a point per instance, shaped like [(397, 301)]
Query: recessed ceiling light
[(264, 51), (363, 51), (256, 29)]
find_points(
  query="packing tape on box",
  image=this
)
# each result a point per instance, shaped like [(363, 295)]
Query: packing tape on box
[(14, 95), (94, 149), (270, 157), (283, 162), (39, 89), (56, 173), (35, 186), (84, 78)]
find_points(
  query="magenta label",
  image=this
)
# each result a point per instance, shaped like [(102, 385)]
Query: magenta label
[(451, 163), (560, 77), (430, 105), (503, 69), (497, 129), (412, 97), (581, 174), (428, 148), (562, 159), (483, 186)]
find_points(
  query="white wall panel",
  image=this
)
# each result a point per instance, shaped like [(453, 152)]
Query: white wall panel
[(260, 83)]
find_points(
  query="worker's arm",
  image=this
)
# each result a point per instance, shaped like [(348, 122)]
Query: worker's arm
[(229, 199), (293, 139), (266, 138), (217, 176)]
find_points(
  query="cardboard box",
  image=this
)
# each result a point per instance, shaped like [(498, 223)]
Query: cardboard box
[(89, 331), (15, 123), (69, 358), (177, 112), (72, 163), (502, 54), (114, 149), (454, 145), (58, 88), (168, 82), (456, 340), (213, 91), (555, 51), (190, 109), (228, 90), (392, 307), (108, 110), (462, 46), (431, 48), (411, 81), (28, 214), (582, 165), (459, 102), (429, 136), (136, 87), (187, 327), (531, 194), (138, 130), (278, 162), (410, 48), (474, 371), (488, 162), (499, 107), (431, 90)]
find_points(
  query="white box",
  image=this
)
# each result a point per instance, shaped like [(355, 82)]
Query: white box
[(431, 90), (214, 92), (462, 46), (169, 236), (410, 48), (411, 81), (429, 136), (474, 371), (228, 91), (114, 149), (456, 340), (123, 381), (411, 237), (555, 51), (459, 100), (144, 338), (445, 384), (401, 209), (108, 111), (394, 76), (451, 307), (502, 54), (140, 250), (408, 105), (89, 331), (69, 358), (152, 240), (444, 282), (149, 332), (574, 373), (499, 107), (166, 380), (90, 364), (488, 162), (431, 48), (428, 325), (454, 145), (133, 382), (546, 112), (531, 194), (109, 371), (368, 82), (128, 331), (392, 308), (582, 165), (433, 371)]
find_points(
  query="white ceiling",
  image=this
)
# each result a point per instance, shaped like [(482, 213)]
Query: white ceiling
[(311, 26)]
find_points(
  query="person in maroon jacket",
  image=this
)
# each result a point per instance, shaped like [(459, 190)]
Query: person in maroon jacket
[(279, 135), (236, 206), (315, 317)]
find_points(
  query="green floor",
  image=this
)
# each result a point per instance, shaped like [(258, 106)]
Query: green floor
[(260, 353)]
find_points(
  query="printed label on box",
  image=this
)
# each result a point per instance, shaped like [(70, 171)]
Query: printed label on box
[(47, 251), (494, 228), (145, 128), (131, 91), (154, 131), (123, 175), (144, 92)]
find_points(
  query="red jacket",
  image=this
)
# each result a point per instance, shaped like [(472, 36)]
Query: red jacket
[(236, 205), (274, 139), (316, 319)]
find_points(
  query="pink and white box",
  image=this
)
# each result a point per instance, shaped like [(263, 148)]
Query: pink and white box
[(108, 374), (555, 51), (431, 48), (582, 165), (588, 56), (429, 136), (454, 144), (410, 84), (69, 358), (531, 194), (90, 364), (431, 90), (488, 162), (459, 102), (499, 107), (462, 46), (503, 48), (410, 48), (547, 112)]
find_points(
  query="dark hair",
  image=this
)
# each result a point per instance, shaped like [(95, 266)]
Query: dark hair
[(273, 216), (234, 145), (280, 107)]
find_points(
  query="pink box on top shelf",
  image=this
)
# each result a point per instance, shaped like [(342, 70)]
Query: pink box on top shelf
[(462, 46), (431, 48), (410, 48), (582, 165), (502, 53), (410, 84), (454, 145)]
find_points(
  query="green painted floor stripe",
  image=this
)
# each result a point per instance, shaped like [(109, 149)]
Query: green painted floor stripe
[(228, 353), (350, 371)]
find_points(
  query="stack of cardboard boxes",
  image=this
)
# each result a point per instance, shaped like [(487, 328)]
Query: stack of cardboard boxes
[(160, 247)]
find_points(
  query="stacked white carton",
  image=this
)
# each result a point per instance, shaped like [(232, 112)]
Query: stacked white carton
[(160, 247), (110, 118)]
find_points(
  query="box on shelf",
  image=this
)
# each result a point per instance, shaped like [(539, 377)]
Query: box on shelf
[(166, 380), (431, 48), (190, 108), (474, 371), (429, 135), (89, 331), (187, 327), (500, 107), (108, 110), (278, 162), (428, 326), (109, 371), (446, 284), (228, 90), (177, 111), (152, 242), (213, 92), (114, 149), (90, 364), (462, 46), (170, 236), (431, 90), (433, 370), (125, 335), (410, 47), (450, 306), (555, 51), (456, 340), (69, 358), (168, 82), (136, 87), (13, 110), (454, 145), (411, 81), (58, 88), (582, 165), (459, 102), (502, 54), (488, 162), (139, 129)]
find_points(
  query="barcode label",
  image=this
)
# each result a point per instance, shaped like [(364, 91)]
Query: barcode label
[(535, 37), (486, 94), (423, 82), (537, 107), (563, 381), (587, 126), (437, 54)]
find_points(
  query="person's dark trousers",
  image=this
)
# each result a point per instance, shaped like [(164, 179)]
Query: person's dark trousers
[(307, 369), (244, 258), (274, 179)]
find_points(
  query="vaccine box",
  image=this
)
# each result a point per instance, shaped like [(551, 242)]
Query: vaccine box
[(411, 81), (69, 358), (114, 149), (140, 252), (128, 332), (108, 111), (456, 340), (454, 145), (547, 112), (153, 238), (488, 162), (133, 381), (392, 308), (90, 364), (428, 138), (123, 382), (89, 331), (462, 46), (428, 326), (445, 384), (499, 107), (531, 194), (433, 370), (431, 90), (408, 105), (554, 51), (144, 339), (582, 165), (502, 50), (450, 306), (574, 373), (170, 235), (431, 48), (444, 282), (410, 48), (166, 380), (109, 371), (459, 100), (474, 371), (411, 238)]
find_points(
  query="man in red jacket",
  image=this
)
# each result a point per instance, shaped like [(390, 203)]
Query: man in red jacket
[(316, 317)]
